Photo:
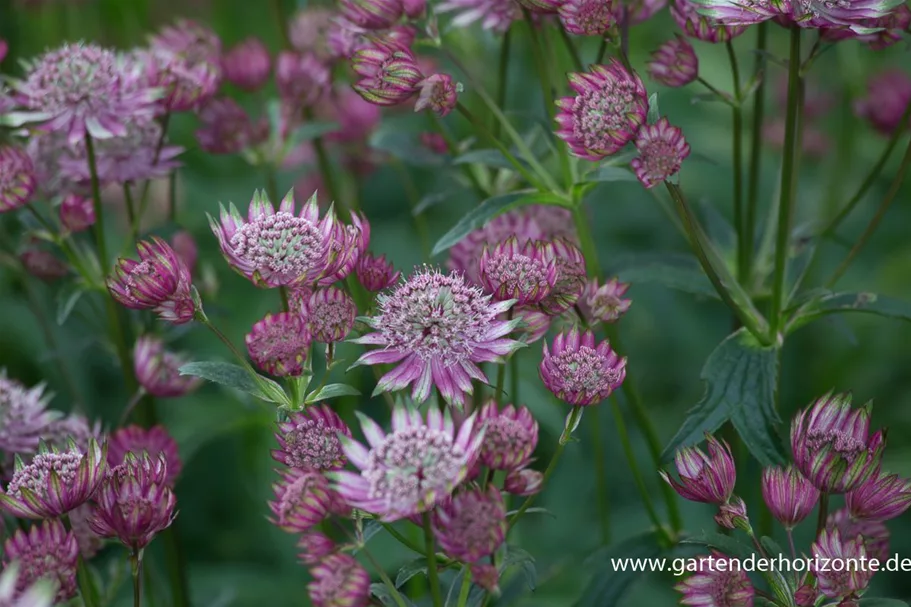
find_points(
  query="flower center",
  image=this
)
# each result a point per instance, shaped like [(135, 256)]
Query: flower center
[(583, 371), (593, 16), (601, 114), (35, 475), (517, 273), (73, 76), (845, 445), (660, 160), (281, 343), (331, 318), (281, 244), (606, 306), (314, 445), (297, 494), (504, 436)]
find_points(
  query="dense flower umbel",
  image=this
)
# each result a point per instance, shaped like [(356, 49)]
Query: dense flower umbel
[(524, 482), (346, 246), (704, 478), (136, 502), (847, 578), (339, 581), (587, 17), (81, 89), (437, 329), (227, 128), (789, 496), (159, 281), (389, 73), (832, 444), (302, 78), (17, 178), (46, 552), (570, 278), (309, 440), (330, 314), (437, 93), (875, 534), (854, 15), (76, 213), (609, 107), (510, 436), (698, 26), (376, 273), (719, 582), (247, 65), (157, 369), (662, 149), (314, 547), (413, 468), (742, 12), (525, 273), (138, 440), (578, 371), (674, 63), (185, 60), (604, 303), (303, 499), (16, 592), (888, 95), (279, 344), (880, 498), (55, 482), (472, 525), (23, 415), (496, 15), (884, 32)]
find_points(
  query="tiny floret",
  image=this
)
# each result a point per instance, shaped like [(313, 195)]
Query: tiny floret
[(580, 372), (789, 496), (707, 478), (674, 63), (716, 585), (526, 273), (17, 178), (138, 440), (510, 436), (279, 344), (330, 314)]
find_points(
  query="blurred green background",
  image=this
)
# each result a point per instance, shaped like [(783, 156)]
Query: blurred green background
[(237, 558)]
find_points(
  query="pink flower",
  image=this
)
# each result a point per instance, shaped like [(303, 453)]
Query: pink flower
[(372, 14), (43, 265), (310, 440), (309, 27), (846, 578), (438, 93), (227, 128), (604, 303), (674, 63), (579, 372), (587, 17), (389, 73), (525, 273), (570, 281), (704, 478), (496, 15), (883, 31), (662, 149), (185, 60), (375, 273), (314, 547), (157, 369), (873, 534), (156, 441), (279, 344), (523, 482), (17, 178), (698, 26), (302, 79), (718, 582), (76, 213), (472, 525), (789, 496), (510, 436), (339, 581), (880, 498), (330, 314), (888, 96), (46, 552), (24, 415), (303, 499), (247, 65), (356, 117)]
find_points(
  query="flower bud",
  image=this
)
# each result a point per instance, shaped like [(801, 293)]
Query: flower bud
[(389, 73), (437, 93), (705, 478), (523, 482), (247, 65), (76, 213), (674, 64)]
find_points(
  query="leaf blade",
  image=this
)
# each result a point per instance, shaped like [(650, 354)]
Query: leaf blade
[(233, 376)]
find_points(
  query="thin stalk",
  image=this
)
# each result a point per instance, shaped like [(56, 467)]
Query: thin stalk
[(71, 255), (501, 370), (877, 218), (573, 51), (589, 249), (602, 51), (790, 533), (788, 181), (715, 91), (280, 22), (502, 77), (603, 499), (328, 174), (823, 512), (743, 268), (286, 302), (465, 590), (146, 186), (413, 198), (453, 149), (432, 573), (136, 566), (749, 231), (401, 538), (131, 208), (96, 202), (514, 378), (172, 196), (396, 595), (624, 38)]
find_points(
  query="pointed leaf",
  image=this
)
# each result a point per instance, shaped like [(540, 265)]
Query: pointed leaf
[(67, 298), (238, 378), (430, 200), (611, 579), (680, 272), (332, 391), (409, 570), (653, 113), (381, 592)]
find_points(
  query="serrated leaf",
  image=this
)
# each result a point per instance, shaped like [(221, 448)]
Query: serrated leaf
[(610, 173), (487, 210), (610, 581), (680, 272), (741, 377), (837, 303), (381, 592), (67, 298), (332, 391), (233, 376), (405, 147), (653, 113), (409, 570), (491, 158)]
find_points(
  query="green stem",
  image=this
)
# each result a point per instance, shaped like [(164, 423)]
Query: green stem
[(396, 595), (877, 218), (328, 174), (96, 202), (589, 249), (286, 302), (743, 268), (88, 591), (202, 318), (131, 208), (788, 181), (823, 512), (602, 51), (413, 198), (573, 51), (502, 78), (136, 566), (514, 379), (432, 573), (501, 371), (715, 91), (281, 22), (465, 590), (147, 185), (603, 500), (755, 146), (172, 196), (402, 539)]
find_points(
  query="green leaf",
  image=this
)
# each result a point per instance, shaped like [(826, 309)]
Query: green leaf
[(882, 603), (67, 298), (409, 570), (491, 158), (490, 208), (88, 588), (680, 272), (836, 303), (609, 582), (430, 200), (653, 113), (723, 543), (741, 377), (233, 376), (332, 391), (405, 147), (610, 173), (517, 557), (381, 592)]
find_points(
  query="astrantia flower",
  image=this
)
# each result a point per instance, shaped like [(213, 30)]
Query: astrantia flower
[(23, 415), (888, 96), (356, 117), (46, 552), (437, 329), (704, 478), (604, 303), (226, 127), (184, 59), (789, 496), (159, 281), (55, 482), (339, 581), (846, 578), (719, 582), (853, 14), (472, 525), (330, 314), (523, 482), (375, 273), (308, 28), (880, 498), (700, 27), (136, 502), (411, 469), (372, 14), (76, 213), (540, 7), (17, 178), (742, 12), (157, 369), (510, 436), (662, 149), (138, 440), (578, 371), (43, 265), (437, 93), (247, 64), (534, 323), (279, 344), (570, 278), (185, 246), (525, 273), (884, 31), (496, 15), (16, 592), (346, 245), (875, 534), (587, 17), (276, 248), (674, 63), (302, 79), (389, 73), (309, 440), (314, 547), (609, 107), (81, 89), (303, 499), (832, 444)]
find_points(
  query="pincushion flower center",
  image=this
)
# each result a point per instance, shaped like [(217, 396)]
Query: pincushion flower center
[(281, 243), (34, 476)]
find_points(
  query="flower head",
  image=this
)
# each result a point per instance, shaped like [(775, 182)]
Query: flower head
[(437, 93), (883, 32), (604, 303), (279, 344), (789, 496), (832, 444), (309, 440), (411, 469), (136, 502), (302, 78), (570, 265), (227, 128), (662, 149), (376, 273), (314, 547), (510, 436), (43, 265), (15, 591), (541, 7), (303, 499), (534, 323), (874, 534), (578, 371), (84, 89), (698, 26), (525, 273), (434, 142), (330, 314), (389, 73), (17, 178), (76, 213), (674, 64), (888, 96), (847, 578), (372, 14), (609, 107), (339, 581), (880, 498), (523, 482), (158, 370), (55, 482), (704, 478), (587, 17), (159, 281), (24, 415), (741, 12), (247, 65), (495, 15), (156, 441), (853, 14), (437, 328), (46, 552), (184, 59), (717, 583), (308, 28), (472, 525)]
